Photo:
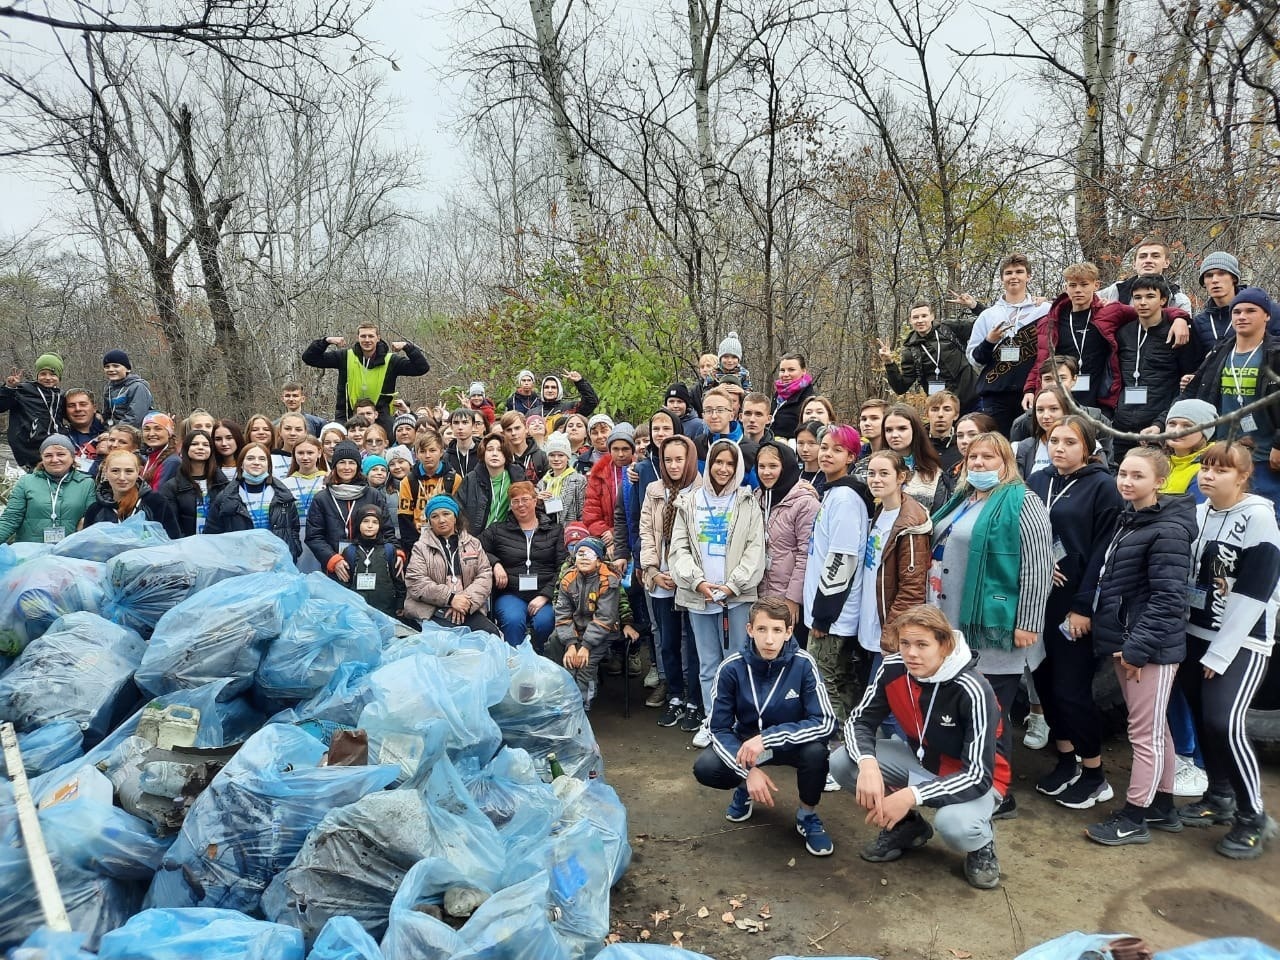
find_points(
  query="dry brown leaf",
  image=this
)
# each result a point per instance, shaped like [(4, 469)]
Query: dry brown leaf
[(791, 862), (727, 916), (765, 913), (676, 937), (961, 954), (645, 934), (659, 916), (613, 938), (703, 912), (735, 903)]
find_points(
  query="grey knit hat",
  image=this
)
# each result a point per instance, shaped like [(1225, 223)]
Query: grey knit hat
[(1220, 260), (625, 432), (57, 440), (557, 443), (730, 346), (1197, 411)]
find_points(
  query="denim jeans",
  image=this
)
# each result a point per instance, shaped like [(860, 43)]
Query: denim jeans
[(676, 651), (708, 634), (512, 614)]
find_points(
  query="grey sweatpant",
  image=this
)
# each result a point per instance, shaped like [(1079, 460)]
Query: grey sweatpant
[(964, 826)]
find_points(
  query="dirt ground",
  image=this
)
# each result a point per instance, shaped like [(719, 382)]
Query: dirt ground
[(1172, 891)]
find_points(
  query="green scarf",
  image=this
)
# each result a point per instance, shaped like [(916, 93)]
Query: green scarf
[(500, 502), (364, 381), (992, 576)]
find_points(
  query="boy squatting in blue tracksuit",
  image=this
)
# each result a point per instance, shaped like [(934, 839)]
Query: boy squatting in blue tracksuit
[(770, 708)]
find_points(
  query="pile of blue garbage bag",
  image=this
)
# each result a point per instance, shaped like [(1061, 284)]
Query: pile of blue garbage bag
[(232, 759)]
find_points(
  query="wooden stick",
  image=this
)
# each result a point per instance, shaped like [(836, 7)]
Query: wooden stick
[(814, 942), (55, 913)]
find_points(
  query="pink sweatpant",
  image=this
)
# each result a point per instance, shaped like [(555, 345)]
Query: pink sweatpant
[(1153, 758)]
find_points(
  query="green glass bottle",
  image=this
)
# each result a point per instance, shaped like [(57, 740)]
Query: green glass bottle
[(554, 764)]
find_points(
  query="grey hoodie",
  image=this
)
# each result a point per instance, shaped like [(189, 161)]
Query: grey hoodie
[(127, 401)]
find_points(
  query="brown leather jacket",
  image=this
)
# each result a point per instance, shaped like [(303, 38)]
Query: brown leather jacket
[(904, 566)]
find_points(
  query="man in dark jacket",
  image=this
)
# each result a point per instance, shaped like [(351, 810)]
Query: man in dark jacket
[(369, 369), (680, 401), (1234, 375), (933, 356), (1220, 278), (33, 407), (556, 406), (1150, 259)]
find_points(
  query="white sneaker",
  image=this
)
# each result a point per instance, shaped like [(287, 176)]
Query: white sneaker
[(651, 679), (1037, 735), (703, 737), (830, 786), (1189, 780)]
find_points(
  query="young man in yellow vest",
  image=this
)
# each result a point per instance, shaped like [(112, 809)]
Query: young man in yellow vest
[(369, 369)]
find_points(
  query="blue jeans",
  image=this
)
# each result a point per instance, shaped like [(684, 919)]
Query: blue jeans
[(512, 614), (677, 652), (708, 634), (1183, 727)]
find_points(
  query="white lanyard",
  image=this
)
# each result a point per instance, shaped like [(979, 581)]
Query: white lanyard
[(936, 361), (450, 559), (368, 556), (921, 728), (756, 699), (51, 406), (1234, 370), (1071, 328), (351, 508), (1106, 559), (54, 494), (1051, 499), (1137, 360)]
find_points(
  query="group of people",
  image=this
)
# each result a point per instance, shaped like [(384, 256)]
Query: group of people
[(888, 589)]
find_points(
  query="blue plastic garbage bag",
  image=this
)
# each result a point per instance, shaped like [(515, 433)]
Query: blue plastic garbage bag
[(206, 934), (596, 802), (423, 687), (1071, 946), (253, 818), (22, 552), (220, 632), (48, 748), (344, 939), (337, 706), (647, 951), (36, 593), (102, 541), (46, 944), (578, 867), (1222, 948), (322, 587), (509, 791), (386, 833), (102, 859), (542, 713), (142, 585), (78, 670), (514, 924), (325, 633), (434, 639)]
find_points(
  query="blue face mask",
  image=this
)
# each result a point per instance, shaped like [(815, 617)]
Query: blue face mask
[(983, 479), (255, 477)]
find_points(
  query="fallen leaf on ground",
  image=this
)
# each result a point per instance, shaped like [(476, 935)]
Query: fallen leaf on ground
[(961, 954), (613, 938), (765, 913), (703, 912), (676, 937), (735, 903), (645, 934), (727, 916), (659, 916), (791, 862)]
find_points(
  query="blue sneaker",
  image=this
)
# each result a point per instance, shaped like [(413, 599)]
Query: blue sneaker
[(739, 806), (816, 840)]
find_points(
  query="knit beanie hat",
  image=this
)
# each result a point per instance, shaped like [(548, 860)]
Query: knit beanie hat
[(334, 425), (370, 461), (557, 443), (1256, 296), (625, 432), (369, 510), (476, 389), (598, 419), (442, 501), (399, 452), (117, 356), (730, 346), (404, 420), (575, 533), (594, 544), (346, 450), (57, 440), (678, 391), (1220, 260), (155, 416), (1197, 411), (524, 374), (49, 361)]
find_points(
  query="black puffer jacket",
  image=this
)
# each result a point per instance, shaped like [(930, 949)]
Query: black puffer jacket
[(228, 513), (1141, 607), (183, 496), (327, 521), (945, 344), (505, 543), (33, 415), (151, 505)]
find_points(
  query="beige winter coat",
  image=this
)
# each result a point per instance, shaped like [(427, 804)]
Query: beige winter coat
[(744, 553), (427, 582)]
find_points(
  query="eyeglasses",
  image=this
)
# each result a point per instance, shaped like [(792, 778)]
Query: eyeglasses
[(717, 410), (523, 499)]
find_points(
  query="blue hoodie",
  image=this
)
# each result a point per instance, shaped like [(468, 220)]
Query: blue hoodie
[(782, 699)]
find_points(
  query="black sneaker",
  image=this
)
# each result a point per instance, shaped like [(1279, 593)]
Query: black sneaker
[(1118, 830), (1165, 819), (1245, 840), (1211, 810), (1007, 809), (912, 831), (1086, 792), (1059, 778), (981, 868), (691, 719), (671, 716)]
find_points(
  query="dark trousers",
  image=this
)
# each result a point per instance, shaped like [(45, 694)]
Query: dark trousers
[(1219, 707), (1005, 686), (1065, 684), (678, 651), (1003, 406), (811, 761), (473, 621)]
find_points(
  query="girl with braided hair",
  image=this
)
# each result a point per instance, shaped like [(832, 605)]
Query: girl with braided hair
[(677, 472)]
